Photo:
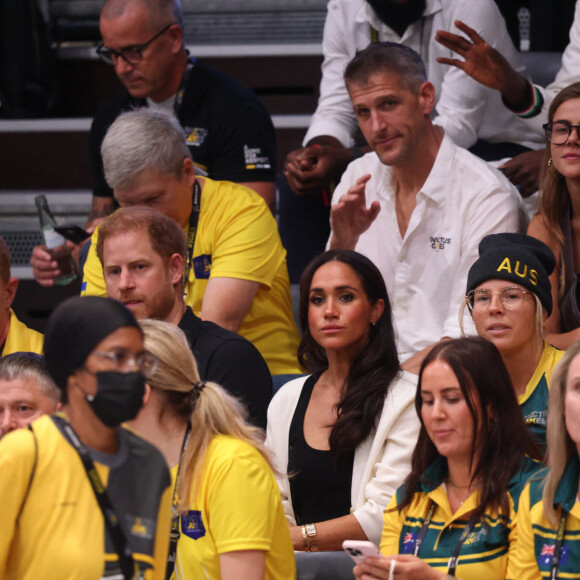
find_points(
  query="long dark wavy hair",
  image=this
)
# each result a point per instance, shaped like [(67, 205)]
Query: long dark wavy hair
[(372, 369), (501, 437)]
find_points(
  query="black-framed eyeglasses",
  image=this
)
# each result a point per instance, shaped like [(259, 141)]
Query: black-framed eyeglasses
[(559, 132), (130, 54), (511, 298), (124, 360)]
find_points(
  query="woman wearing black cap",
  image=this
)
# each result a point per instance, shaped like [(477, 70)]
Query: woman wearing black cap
[(509, 297), (59, 478)]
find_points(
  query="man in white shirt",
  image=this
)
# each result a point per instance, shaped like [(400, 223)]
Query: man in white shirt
[(471, 114), (429, 201)]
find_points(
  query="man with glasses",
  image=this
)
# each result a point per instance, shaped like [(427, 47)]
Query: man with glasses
[(429, 201), (229, 132)]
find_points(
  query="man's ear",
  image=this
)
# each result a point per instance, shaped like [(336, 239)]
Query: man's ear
[(175, 34), (175, 268), (188, 171), (427, 97), (10, 288)]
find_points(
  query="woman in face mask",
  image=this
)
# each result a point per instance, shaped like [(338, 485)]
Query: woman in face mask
[(229, 521), (82, 496)]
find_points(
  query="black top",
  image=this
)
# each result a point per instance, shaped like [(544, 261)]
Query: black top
[(231, 361), (319, 485), (229, 132)]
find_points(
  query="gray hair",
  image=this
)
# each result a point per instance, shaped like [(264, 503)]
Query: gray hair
[(161, 12), (390, 57), (139, 140), (29, 366)]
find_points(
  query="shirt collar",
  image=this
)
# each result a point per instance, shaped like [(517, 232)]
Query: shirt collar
[(434, 475), (438, 179)]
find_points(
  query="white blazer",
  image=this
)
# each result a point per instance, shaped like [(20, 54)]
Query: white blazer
[(381, 461)]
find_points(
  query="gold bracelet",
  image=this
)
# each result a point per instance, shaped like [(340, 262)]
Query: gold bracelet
[(305, 539)]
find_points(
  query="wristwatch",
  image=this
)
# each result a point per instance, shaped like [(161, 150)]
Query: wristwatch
[(312, 537)]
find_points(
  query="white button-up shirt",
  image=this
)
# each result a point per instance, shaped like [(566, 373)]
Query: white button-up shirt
[(425, 271)]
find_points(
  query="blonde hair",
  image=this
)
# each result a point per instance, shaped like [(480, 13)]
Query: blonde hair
[(210, 409), (561, 448)]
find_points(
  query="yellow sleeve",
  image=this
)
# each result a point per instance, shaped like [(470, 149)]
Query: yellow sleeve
[(17, 457), (522, 563), (247, 243), (243, 502), (93, 280), (161, 537), (392, 526)]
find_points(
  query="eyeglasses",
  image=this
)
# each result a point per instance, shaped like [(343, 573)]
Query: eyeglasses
[(511, 298), (559, 132), (130, 54), (124, 360)]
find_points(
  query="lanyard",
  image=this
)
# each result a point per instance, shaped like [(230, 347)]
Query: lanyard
[(558, 547), (452, 563), (192, 231), (174, 536), (112, 521)]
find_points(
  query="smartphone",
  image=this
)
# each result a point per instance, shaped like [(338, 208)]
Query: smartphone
[(73, 233), (358, 550)]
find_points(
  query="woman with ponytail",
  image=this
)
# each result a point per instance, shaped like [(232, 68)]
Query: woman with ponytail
[(228, 518)]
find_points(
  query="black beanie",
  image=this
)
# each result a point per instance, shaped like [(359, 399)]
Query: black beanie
[(75, 327), (516, 258)]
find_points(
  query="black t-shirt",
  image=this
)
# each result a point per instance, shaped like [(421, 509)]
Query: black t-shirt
[(233, 362), (320, 486), (229, 132)]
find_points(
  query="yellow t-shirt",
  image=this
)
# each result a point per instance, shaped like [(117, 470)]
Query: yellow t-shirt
[(237, 237), (237, 507), (60, 534), (20, 338)]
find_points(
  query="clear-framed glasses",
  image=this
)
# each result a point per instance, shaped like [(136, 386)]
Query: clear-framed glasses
[(130, 54), (124, 360), (559, 132), (511, 298)]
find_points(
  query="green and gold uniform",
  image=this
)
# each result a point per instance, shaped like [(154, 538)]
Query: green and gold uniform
[(483, 555), (537, 537), (534, 401), (52, 526)]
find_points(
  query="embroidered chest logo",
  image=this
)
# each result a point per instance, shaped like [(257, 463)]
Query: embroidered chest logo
[(192, 524), (536, 418), (141, 527), (202, 266), (195, 136), (439, 243), (254, 158)]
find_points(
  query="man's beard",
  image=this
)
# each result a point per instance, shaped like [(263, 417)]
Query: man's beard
[(158, 306), (398, 15)]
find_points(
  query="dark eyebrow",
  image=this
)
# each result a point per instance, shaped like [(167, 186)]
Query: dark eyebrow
[(445, 390), (345, 287)]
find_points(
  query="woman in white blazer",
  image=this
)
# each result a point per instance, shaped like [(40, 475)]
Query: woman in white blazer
[(345, 434)]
